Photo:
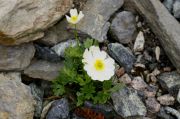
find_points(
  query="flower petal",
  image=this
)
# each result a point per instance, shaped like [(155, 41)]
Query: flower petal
[(73, 12), (68, 18), (80, 16)]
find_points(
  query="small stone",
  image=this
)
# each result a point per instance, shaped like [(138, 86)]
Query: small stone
[(120, 72), (172, 112), (139, 42), (60, 48), (16, 57), (43, 70), (152, 105), (16, 99), (38, 94), (46, 109), (47, 54), (167, 69), (138, 83), (123, 27), (178, 96), (122, 55), (127, 103), (168, 4), (164, 115), (157, 52), (125, 79), (170, 81), (176, 9), (59, 110), (166, 99)]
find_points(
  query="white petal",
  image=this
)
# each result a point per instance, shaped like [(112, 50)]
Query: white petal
[(68, 18), (73, 12), (80, 16)]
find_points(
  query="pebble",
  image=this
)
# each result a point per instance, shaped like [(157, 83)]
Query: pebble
[(166, 99)]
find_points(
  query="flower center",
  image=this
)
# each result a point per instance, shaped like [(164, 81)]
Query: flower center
[(99, 65), (74, 18)]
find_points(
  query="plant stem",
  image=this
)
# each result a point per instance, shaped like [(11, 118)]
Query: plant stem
[(76, 35)]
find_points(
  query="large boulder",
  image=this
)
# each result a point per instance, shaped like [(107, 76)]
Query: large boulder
[(97, 13), (16, 99), (24, 20), (17, 57)]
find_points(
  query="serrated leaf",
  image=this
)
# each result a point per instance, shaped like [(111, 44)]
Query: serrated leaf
[(88, 43)]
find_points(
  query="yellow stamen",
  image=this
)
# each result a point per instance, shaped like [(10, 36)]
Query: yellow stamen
[(99, 65), (74, 18)]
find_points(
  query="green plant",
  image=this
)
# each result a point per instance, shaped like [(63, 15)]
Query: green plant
[(75, 80)]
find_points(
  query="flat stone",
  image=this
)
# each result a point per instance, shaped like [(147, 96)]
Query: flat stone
[(127, 103), (97, 13), (60, 48), (38, 94), (122, 55), (24, 21), (152, 105), (139, 42), (139, 84), (17, 57), (170, 81), (43, 70), (45, 53), (16, 99), (59, 110), (176, 8), (168, 4), (166, 99), (123, 27), (57, 33)]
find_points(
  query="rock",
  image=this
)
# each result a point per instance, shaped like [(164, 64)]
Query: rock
[(16, 99), (125, 79), (60, 48), (176, 8), (166, 99), (24, 21), (123, 27), (37, 93), (122, 55), (57, 33), (138, 83), (178, 96), (168, 4), (119, 72), (152, 105), (59, 110), (173, 112), (43, 70), (164, 115), (47, 54), (127, 103), (17, 57), (45, 110), (158, 17), (139, 42), (170, 81), (97, 13), (157, 53)]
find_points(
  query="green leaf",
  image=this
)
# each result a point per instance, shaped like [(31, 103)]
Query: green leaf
[(117, 87), (88, 43), (59, 90), (107, 84)]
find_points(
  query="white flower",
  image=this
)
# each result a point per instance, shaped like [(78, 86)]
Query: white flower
[(74, 16), (98, 64)]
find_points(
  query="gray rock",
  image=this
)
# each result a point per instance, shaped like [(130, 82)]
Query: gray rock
[(176, 9), (37, 93), (97, 13), (152, 105), (139, 84), (17, 57), (47, 54), (23, 21), (123, 27), (57, 33), (59, 110), (127, 103), (46, 109), (173, 112), (125, 79), (164, 115), (178, 96), (168, 4), (43, 70), (60, 48), (122, 55), (139, 42), (170, 81), (16, 99)]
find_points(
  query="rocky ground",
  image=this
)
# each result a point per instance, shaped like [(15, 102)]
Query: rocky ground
[(144, 44)]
